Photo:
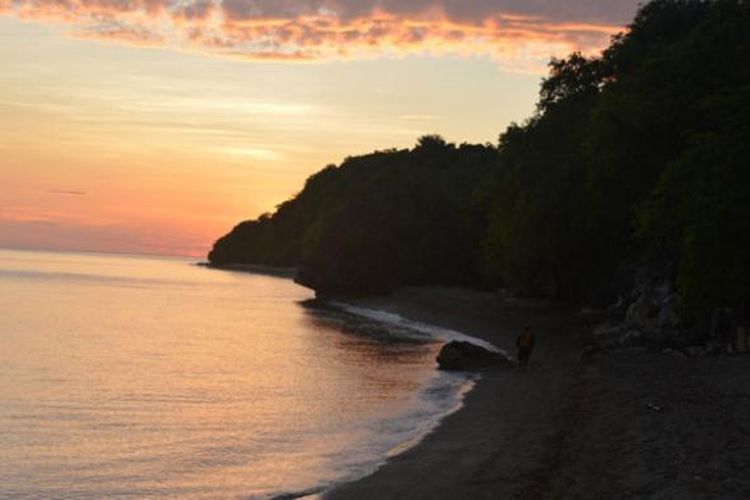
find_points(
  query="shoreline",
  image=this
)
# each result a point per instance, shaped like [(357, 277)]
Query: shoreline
[(628, 423), (485, 317), (616, 425), (279, 272)]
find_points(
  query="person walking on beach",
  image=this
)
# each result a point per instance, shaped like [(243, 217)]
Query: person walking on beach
[(525, 343)]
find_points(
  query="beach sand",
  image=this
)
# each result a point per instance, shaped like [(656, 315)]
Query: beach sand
[(629, 424)]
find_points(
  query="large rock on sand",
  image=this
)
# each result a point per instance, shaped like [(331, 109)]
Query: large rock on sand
[(457, 355)]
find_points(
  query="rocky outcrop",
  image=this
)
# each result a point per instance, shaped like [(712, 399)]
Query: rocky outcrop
[(654, 309), (648, 314), (467, 356)]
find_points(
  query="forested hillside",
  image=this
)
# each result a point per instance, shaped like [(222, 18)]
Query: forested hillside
[(376, 222), (637, 157)]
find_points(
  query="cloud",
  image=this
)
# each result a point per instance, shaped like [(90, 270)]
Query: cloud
[(521, 34), (68, 192)]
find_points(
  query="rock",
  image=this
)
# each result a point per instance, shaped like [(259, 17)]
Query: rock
[(638, 315), (457, 355)]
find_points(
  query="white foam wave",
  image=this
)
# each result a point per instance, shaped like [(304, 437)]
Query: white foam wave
[(433, 331)]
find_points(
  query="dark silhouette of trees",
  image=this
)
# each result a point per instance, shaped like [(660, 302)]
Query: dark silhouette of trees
[(637, 157), (376, 222)]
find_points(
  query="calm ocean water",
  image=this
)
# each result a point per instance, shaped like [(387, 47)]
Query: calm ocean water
[(151, 377)]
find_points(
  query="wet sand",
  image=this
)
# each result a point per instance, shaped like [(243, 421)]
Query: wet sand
[(630, 424)]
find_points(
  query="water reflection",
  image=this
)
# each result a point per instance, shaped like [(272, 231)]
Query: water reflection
[(151, 377)]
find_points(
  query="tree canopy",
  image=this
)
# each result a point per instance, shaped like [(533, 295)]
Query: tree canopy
[(376, 222), (638, 156)]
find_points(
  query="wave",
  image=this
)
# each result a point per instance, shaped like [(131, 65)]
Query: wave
[(440, 396), (414, 328)]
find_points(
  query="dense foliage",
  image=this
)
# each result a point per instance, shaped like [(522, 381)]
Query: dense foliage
[(376, 222), (637, 157)]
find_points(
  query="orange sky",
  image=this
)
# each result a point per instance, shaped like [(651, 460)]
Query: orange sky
[(145, 126)]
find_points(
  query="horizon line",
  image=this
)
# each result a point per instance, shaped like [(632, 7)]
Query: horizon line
[(99, 252)]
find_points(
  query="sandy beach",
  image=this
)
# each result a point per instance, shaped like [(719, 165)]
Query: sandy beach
[(628, 424)]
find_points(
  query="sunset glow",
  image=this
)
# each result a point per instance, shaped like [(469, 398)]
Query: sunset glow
[(155, 126)]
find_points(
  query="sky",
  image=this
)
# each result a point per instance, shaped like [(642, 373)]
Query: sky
[(155, 126)]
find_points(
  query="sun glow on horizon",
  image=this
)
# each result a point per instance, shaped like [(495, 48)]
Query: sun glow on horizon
[(112, 147)]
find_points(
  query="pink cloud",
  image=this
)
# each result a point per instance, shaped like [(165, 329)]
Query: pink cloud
[(521, 35)]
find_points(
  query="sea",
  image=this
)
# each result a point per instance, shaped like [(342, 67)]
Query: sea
[(155, 377)]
